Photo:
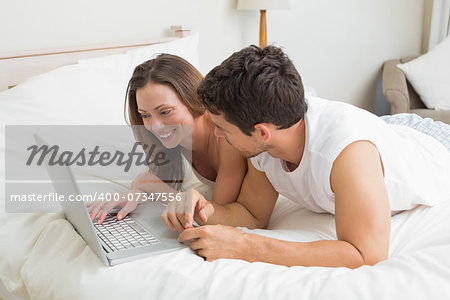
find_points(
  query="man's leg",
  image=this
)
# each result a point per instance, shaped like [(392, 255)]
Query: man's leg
[(436, 129)]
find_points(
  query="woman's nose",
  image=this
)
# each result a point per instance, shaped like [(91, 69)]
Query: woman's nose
[(156, 124)]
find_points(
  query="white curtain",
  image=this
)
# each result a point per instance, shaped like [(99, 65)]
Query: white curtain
[(440, 22)]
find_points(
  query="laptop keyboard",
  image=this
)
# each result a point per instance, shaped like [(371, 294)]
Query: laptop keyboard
[(124, 234)]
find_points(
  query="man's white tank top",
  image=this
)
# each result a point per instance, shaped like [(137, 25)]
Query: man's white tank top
[(416, 166)]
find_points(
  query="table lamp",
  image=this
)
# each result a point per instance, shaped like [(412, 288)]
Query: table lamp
[(262, 5)]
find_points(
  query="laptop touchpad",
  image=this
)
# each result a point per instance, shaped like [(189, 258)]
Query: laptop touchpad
[(158, 227)]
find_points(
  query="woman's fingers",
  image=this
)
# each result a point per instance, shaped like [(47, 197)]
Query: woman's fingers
[(90, 206), (179, 215), (189, 207), (175, 216), (165, 218), (95, 209), (105, 210), (206, 211), (172, 216), (128, 207), (101, 206)]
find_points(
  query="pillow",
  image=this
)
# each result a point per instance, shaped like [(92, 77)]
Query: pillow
[(186, 47), (118, 68), (91, 92), (429, 74)]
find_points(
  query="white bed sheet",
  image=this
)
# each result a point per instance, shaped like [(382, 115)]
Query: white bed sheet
[(44, 258)]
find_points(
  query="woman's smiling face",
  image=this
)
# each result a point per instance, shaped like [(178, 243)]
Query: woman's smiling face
[(164, 114)]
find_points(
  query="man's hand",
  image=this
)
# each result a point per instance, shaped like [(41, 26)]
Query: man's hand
[(179, 215), (216, 241)]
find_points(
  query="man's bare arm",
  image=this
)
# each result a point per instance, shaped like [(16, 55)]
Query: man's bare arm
[(362, 222), (254, 204)]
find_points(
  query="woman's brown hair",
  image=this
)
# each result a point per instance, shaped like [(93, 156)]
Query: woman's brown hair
[(178, 74)]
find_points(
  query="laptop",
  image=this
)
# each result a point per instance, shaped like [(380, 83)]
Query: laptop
[(140, 234)]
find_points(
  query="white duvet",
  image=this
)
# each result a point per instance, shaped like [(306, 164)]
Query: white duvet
[(44, 258)]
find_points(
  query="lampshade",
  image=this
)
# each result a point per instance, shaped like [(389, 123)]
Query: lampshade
[(262, 4)]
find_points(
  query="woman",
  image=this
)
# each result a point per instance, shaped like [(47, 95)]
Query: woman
[(162, 97)]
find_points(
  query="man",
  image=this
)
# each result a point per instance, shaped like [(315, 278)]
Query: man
[(328, 156)]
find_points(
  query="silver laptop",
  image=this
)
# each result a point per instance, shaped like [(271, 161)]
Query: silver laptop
[(140, 234)]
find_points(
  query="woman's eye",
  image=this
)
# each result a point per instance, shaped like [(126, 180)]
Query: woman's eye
[(166, 112), (144, 116)]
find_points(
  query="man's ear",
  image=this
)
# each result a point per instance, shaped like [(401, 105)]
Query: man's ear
[(263, 132)]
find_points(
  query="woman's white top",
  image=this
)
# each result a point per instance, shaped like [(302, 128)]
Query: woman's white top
[(416, 166), (194, 180), (203, 180)]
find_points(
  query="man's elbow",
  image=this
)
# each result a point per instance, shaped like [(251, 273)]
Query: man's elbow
[(374, 259), (369, 258), (361, 261), (258, 224), (255, 221), (261, 226)]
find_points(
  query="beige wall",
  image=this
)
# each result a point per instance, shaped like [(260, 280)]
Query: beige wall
[(427, 13), (338, 46)]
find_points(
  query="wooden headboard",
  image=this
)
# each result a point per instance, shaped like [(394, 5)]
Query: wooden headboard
[(16, 67)]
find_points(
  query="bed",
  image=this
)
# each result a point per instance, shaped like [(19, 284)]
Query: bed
[(42, 256)]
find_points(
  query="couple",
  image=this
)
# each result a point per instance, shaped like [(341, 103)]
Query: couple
[(328, 156)]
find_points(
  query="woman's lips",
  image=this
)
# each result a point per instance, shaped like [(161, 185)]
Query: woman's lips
[(166, 135)]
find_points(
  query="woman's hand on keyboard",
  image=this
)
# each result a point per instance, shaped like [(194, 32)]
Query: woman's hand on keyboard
[(179, 215), (126, 201)]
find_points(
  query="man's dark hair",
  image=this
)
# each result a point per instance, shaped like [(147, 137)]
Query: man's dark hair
[(254, 86)]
